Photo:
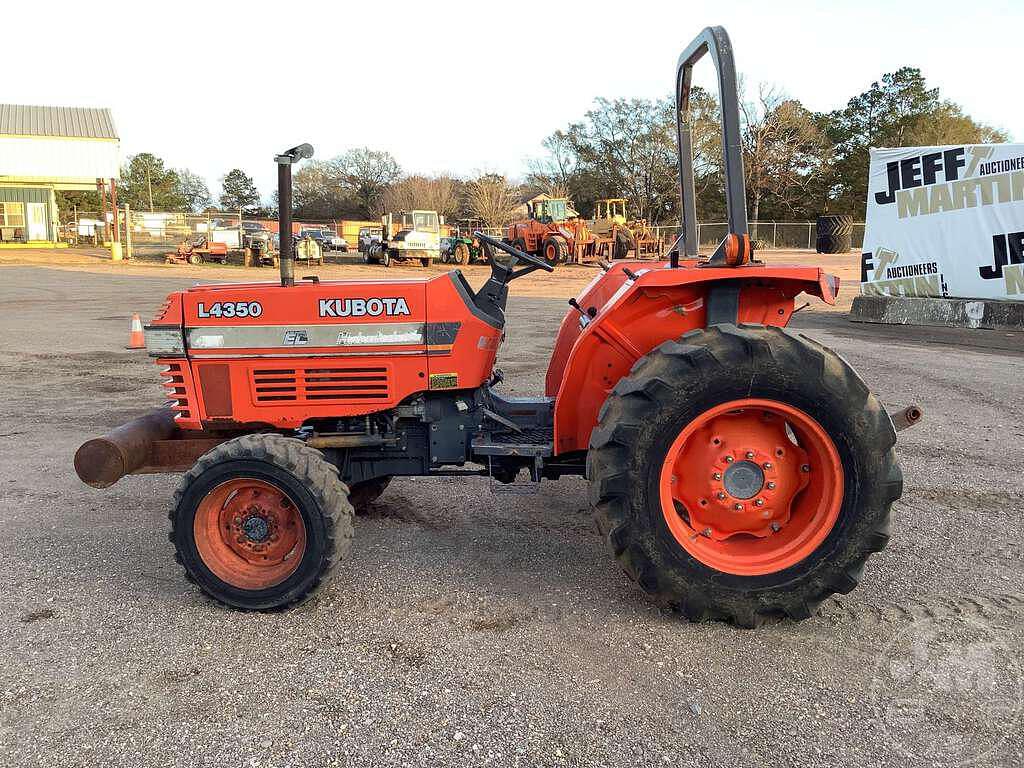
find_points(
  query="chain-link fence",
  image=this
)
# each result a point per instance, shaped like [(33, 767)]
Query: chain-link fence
[(767, 235), (158, 231)]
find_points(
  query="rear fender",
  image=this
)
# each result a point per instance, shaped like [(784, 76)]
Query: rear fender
[(632, 317)]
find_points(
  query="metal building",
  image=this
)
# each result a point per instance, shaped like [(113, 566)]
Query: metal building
[(44, 150)]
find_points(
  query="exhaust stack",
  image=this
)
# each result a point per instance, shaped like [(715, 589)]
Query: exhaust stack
[(285, 161)]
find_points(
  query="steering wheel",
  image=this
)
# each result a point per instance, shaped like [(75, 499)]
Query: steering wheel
[(515, 253)]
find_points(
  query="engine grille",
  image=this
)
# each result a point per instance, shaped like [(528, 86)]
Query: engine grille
[(177, 389), (321, 384)]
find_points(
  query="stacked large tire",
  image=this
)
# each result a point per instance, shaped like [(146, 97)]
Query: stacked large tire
[(835, 233)]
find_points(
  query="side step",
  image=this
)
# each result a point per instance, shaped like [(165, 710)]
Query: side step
[(531, 441)]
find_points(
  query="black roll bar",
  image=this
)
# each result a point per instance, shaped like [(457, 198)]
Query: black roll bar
[(715, 41)]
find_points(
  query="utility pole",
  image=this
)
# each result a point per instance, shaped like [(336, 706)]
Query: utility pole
[(115, 242)]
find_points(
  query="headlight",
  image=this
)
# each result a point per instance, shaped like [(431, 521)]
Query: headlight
[(164, 341)]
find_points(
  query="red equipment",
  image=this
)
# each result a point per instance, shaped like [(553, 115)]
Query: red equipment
[(554, 232), (737, 471), (197, 250)]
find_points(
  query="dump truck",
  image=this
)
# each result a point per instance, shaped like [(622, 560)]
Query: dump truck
[(407, 236)]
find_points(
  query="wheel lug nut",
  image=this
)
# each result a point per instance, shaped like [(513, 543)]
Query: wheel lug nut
[(721, 494), (775, 527), (738, 507), (716, 476), (759, 502), (750, 454), (729, 459), (771, 486), (767, 465), (805, 468)]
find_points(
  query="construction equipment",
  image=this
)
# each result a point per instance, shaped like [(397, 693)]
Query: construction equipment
[(554, 231), (613, 237), (616, 234), (737, 471), (197, 250), (406, 236)]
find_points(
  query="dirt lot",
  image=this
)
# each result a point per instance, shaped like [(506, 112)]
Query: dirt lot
[(468, 628)]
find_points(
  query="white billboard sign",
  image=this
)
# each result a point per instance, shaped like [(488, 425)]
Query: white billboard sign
[(945, 221)]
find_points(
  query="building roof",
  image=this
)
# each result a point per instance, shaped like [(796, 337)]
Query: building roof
[(67, 122)]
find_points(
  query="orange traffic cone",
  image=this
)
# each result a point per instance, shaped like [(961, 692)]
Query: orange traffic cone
[(136, 338)]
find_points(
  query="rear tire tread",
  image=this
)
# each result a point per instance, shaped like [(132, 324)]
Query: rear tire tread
[(629, 408)]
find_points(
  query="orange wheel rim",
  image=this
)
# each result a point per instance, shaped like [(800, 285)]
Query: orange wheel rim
[(549, 252), (751, 487), (249, 533)]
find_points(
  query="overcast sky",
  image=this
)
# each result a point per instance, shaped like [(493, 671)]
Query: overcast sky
[(463, 86)]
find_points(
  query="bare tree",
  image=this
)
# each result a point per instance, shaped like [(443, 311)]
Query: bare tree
[(367, 174), (492, 199), (441, 194), (784, 150)]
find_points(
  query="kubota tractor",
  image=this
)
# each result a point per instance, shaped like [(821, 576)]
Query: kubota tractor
[(736, 470), (554, 231)]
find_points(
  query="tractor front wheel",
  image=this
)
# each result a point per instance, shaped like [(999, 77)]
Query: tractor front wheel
[(260, 522), (743, 472)]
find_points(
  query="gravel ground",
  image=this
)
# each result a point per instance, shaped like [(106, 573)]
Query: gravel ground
[(471, 628)]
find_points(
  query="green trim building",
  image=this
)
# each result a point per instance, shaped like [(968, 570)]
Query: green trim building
[(43, 150)]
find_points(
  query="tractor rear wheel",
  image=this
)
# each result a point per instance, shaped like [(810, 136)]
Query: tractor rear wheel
[(260, 522), (461, 254), (556, 250), (743, 472), (363, 494)]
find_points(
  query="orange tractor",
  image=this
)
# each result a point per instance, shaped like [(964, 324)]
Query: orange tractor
[(197, 250), (553, 231), (736, 470)]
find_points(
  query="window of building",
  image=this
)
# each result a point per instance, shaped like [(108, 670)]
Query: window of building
[(12, 214)]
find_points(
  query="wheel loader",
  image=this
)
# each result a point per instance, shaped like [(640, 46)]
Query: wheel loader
[(554, 231), (736, 471)]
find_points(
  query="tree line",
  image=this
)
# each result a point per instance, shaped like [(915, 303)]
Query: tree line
[(798, 163), (147, 184)]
